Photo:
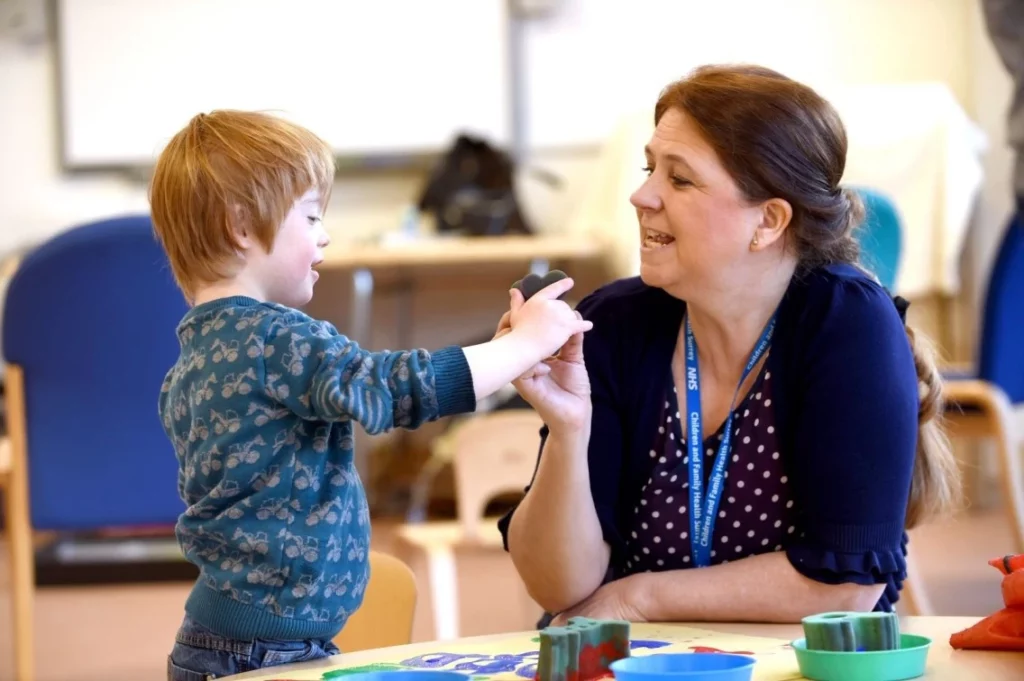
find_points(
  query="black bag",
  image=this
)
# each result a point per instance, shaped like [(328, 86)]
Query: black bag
[(471, 191)]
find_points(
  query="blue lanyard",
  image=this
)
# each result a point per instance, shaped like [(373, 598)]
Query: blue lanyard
[(703, 513)]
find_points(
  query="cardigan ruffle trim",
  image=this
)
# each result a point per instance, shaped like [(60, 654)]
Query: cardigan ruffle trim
[(887, 567)]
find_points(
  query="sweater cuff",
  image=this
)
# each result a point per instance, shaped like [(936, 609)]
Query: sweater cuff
[(454, 381)]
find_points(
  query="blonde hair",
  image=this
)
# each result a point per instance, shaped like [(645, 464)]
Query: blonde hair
[(935, 488), (226, 166)]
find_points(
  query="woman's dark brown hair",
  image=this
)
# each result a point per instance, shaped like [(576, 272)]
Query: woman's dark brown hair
[(778, 138)]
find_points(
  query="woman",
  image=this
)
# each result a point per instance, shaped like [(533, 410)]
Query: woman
[(752, 404)]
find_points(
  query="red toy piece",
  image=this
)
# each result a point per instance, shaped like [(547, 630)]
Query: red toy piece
[(1003, 629)]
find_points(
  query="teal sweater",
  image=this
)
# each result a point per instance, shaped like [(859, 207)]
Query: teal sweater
[(260, 407)]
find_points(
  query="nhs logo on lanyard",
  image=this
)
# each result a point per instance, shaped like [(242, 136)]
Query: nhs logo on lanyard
[(703, 512)]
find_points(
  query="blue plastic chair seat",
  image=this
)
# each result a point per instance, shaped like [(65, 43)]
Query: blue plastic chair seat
[(90, 318), (880, 236)]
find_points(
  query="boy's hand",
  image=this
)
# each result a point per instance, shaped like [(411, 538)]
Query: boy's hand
[(558, 387), (530, 332), (543, 321)]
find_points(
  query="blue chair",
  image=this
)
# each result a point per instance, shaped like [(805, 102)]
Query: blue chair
[(984, 404), (880, 236), (88, 334)]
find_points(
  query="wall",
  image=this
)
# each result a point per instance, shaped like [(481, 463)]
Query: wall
[(36, 201)]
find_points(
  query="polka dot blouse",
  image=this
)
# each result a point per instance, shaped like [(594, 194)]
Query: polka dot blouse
[(756, 507)]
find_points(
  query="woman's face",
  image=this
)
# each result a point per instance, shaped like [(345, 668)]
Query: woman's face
[(695, 227)]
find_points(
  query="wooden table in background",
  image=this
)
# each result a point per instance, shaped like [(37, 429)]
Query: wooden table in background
[(766, 641), (460, 250), (534, 252)]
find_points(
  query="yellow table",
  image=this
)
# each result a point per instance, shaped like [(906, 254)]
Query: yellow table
[(766, 641)]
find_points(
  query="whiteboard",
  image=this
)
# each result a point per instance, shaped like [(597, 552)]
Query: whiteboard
[(373, 78)]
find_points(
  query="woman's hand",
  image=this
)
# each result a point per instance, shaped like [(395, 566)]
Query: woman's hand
[(559, 387), (618, 600)]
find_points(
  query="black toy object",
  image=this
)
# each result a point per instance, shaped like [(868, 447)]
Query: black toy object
[(532, 283)]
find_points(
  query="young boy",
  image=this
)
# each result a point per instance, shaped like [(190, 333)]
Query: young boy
[(262, 402)]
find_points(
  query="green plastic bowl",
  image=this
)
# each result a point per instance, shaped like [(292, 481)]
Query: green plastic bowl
[(906, 662)]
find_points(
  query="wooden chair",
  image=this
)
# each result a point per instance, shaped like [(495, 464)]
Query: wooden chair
[(386, 616), (5, 463), (14, 485), (491, 454), (981, 404), (988, 403), (980, 409), (88, 333)]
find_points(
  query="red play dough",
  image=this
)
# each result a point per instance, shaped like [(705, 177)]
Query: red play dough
[(1003, 629)]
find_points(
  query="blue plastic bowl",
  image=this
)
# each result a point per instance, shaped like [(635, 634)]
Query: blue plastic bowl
[(405, 675), (689, 666)]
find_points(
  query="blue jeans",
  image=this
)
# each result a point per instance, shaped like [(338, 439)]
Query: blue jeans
[(199, 654)]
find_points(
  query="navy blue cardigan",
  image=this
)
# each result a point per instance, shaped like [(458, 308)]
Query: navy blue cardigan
[(846, 416)]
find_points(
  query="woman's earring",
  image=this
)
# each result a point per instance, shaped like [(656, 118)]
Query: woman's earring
[(753, 242)]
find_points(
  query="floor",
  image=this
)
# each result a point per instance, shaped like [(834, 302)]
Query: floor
[(121, 633)]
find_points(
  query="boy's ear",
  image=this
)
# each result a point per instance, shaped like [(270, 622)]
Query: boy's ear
[(238, 222)]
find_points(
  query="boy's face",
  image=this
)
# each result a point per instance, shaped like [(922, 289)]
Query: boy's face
[(286, 274)]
